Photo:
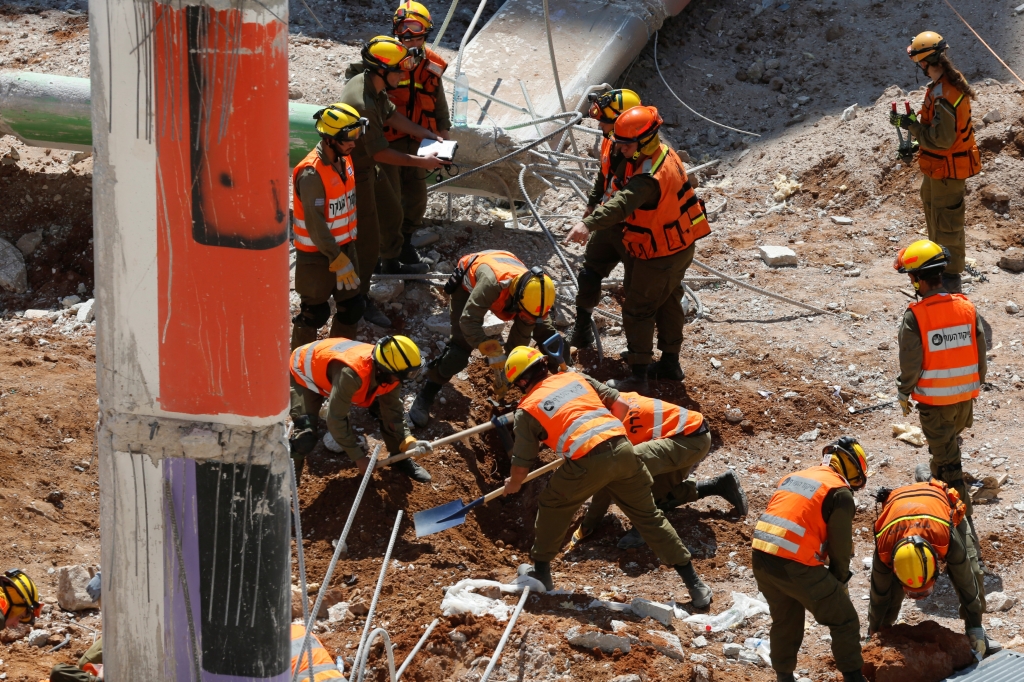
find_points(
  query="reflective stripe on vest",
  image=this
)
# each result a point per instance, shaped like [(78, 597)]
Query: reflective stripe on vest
[(918, 509), (571, 414), (949, 370), (650, 419), (309, 365), (678, 220), (324, 667), (792, 526), (339, 202), (963, 159), (505, 267), (416, 94)]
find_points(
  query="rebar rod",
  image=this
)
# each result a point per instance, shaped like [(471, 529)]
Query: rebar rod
[(307, 643), (504, 636), (363, 644)]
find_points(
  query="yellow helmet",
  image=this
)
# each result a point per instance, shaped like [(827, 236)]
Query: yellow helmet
[(847, 457), (534, 293), (606, 106), (21, 593), (387, 53), (915, 564), (923, 257), (519, 360), (411, 19), (398, 355), (341, 122), (926, 47)]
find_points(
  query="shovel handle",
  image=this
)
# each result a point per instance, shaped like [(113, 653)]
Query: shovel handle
[(547, 468), (503, 420)]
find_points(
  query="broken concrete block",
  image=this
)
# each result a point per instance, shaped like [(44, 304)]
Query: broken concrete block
[(338, 613), (439, 324), (842, 220), (423, 237), (385, 291), (69, 301), (849, 113), (1012, 308), (663, 613), (699, 642), (999, 601), (493, 325), (33, 314), (666, 643), (597, 640), (13, 273), (1012, 264), (71, 584), (993, 116), (38, 637), (702, 674), (732, 650), (808, 436), (777, 256), (29, 242), (87, 313), (749, 657)]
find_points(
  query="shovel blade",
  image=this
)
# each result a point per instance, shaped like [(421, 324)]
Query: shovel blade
[(437, 519)]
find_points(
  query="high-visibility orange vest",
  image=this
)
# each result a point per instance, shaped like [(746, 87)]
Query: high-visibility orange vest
[(505, 267), (571, 412), (962, 160), (676, 222), (309, 367), (339, 204), (611, 182), (924, 509), (792, 526), (950, 367), (324, 667), (651, 419), (416, 94)]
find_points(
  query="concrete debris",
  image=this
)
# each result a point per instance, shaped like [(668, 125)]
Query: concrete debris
[(702, 674), (699, 642), (777, 256), (734, 416), (38, 637), (1012, 308), (716, 363), (423, 237), (33, 314), (87, 312), (439, 324), (629, 678), (849, 113), (493, 325), (71, 583), (11, 158), (457, 637), (999, 601), (749, 657), (993, 116), (78, 157), (29, 242), (69, 301), (842, 220), (618, 626), (666, 643), (1012, 264), (732, 650), (883, 345), (339, 613), (13, 273), (995, 193), (809, 436), (714, 24), (645, 608), (358, 609), (386, 291), (908, 433), (595, 639)]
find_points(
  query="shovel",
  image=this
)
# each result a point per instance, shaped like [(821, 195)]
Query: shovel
[(430, 521), (501, 423)]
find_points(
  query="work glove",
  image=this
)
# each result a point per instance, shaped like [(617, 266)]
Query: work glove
[(978, 641), (415, 447), (904, 401), (330, 443), (902, 120), (491, 348), (500, 384), (345, 272)]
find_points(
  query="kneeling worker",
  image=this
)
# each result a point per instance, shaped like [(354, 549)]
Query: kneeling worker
[(490, 280), (351, 373), (809, 520), (564, 412), (671, 441), (920, 525)]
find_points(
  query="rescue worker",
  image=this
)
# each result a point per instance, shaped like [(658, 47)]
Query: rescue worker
[(809, 521), (942, 361), (663, 219), (565, 412), (384, 59), (948, 152), (671, 441), (489, 280), (604, 247), (90, 665), (420, 97), (324, 667), (920, 525), (19, 599), (348, 373)]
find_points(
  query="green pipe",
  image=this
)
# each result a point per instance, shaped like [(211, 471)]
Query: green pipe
[(55, 111)]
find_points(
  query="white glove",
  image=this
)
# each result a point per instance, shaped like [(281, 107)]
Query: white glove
[(330, 443), (420, 447)]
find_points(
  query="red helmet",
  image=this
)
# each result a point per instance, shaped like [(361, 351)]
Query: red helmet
[(639, 124)]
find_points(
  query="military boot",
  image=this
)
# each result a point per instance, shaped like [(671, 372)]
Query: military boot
[(412, 470), (728, 487), (583, 329), (700, 594), (373, 315), (541, 570), (409, 254), (666, 369), (631, 539), (394, 266), (419, 413), (636, 383), (784, 677)]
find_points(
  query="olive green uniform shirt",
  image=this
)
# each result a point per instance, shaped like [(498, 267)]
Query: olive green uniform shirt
[(309, 189), (481, 298), (941, 134), (912, 353), (618, 168), (642, 191), (377, 109), (344, 384)]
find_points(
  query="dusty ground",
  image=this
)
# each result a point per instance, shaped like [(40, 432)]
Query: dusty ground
[(47, 392)]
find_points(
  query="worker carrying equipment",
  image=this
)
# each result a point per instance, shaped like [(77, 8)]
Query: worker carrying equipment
[(671, 441), (919, 526), (499, 282), (942, 366), (347, 373), (948, 151), (420, 97), (803, 543), (663, 219), (604, 248), (19, 599), (566, 413)]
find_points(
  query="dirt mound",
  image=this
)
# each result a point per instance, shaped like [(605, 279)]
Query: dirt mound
[(926, 652)]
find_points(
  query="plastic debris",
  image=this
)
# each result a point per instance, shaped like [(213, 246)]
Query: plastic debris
[(908, 433), (743, 607), (464, 597)]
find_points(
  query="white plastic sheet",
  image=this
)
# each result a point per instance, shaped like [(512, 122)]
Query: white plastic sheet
[(463, 598), (743, 607)]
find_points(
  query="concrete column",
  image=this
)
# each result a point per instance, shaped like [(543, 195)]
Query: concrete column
[(190, 129)]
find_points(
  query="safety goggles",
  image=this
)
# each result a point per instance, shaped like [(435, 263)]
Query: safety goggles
[(352, 131), (411, 27), (600, 107), (410, 372), (936, 50)]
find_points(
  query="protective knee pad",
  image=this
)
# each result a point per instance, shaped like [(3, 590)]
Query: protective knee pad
[(589, 277), (350, 311), (313, 316)]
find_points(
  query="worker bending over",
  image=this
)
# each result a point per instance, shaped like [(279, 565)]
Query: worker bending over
[(664, 218), (671, 441), (566, 413), (948, 152), (419, 96), (920, 525), (348, 373), (604, 247), (808, 522), (489, 280)]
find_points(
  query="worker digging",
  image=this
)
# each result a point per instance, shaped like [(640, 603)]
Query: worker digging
[(456, 325)]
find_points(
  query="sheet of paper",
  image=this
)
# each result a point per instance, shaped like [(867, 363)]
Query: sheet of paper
[(445, 148)]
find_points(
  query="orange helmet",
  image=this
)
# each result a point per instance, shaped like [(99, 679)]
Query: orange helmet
[(639, 124)]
